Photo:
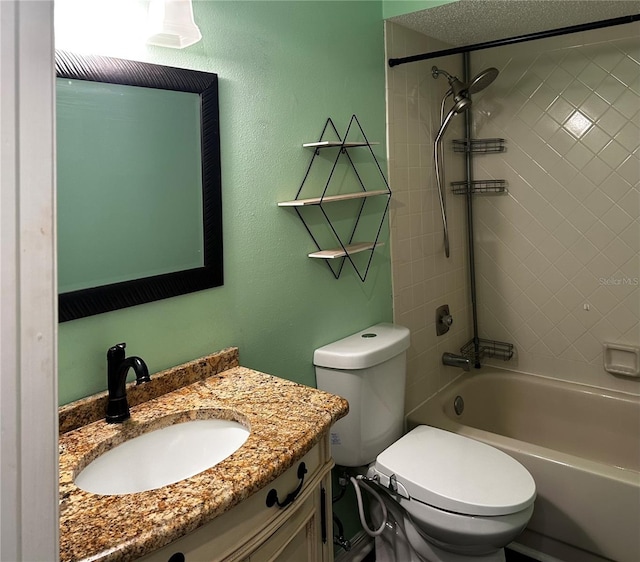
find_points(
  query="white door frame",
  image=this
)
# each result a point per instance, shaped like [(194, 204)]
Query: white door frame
[(28, 292)]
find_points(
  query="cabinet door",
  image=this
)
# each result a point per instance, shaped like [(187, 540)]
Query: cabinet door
[(299, 538)]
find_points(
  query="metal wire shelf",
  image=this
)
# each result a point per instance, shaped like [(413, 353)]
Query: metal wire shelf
[(479, 146), (479, 186), (348, 246), (487, 348)]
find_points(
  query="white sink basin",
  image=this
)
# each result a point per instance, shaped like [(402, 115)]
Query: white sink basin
[(162, 457)]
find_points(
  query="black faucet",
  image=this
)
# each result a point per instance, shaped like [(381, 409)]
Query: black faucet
[(117, 368)]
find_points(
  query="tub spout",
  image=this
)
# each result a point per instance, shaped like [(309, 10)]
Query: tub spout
[(454, 360)]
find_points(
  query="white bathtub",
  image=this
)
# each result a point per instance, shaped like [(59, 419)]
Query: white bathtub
[(581, 444)]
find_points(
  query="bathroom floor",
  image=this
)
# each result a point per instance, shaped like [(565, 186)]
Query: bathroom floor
[(511, 556)]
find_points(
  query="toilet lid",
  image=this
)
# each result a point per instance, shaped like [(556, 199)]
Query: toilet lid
[(456, 473)]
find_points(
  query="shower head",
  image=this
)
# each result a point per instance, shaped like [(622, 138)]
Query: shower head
[(482, 80)]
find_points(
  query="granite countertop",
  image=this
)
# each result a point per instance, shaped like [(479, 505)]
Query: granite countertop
[(286, 420)]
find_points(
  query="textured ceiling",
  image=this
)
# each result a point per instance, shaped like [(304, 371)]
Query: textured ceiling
[(467, 22)]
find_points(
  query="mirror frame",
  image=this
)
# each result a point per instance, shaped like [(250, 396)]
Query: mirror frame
[(106, 298)]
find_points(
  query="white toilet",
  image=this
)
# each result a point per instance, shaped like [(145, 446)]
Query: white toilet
[(448, 498)]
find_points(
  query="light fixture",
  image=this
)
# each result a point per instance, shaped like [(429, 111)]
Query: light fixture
[(171, 24)]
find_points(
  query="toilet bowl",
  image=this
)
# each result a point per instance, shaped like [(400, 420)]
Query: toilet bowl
[(448, 498), (456, 494)]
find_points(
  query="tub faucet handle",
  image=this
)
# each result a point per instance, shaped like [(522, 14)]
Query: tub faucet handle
[(444, 320)]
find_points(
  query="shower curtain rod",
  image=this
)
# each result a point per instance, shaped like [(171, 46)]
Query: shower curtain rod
[(518, 39)]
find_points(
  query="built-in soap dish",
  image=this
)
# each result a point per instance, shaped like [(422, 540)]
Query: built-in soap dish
[(622, 360)]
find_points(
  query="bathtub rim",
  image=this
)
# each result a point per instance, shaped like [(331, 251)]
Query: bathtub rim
[(434, 411)]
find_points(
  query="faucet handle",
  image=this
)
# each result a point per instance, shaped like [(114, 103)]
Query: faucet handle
[(116, 352)]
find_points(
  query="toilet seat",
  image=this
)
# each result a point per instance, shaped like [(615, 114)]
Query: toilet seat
[(454, 473)]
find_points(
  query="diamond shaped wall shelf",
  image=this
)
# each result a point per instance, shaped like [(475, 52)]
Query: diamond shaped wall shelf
[(353, 226)]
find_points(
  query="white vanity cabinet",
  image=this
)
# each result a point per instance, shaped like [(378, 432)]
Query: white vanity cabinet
[(253, 532)]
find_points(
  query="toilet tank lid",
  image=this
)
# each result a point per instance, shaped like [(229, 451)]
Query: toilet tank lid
[(364, 349)]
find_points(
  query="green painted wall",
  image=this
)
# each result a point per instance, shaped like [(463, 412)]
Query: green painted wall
[(283, 67), (391, 8)]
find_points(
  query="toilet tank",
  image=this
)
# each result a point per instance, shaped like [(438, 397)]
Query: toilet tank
[(369, 370)]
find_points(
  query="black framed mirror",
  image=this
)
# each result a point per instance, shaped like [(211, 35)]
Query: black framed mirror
[(89, 89)]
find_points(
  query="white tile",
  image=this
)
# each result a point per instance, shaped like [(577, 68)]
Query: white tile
[(600, 235), (597, 170), (601, 267), (632, 335), (578, 124), (607, 56), (568, 265), (560, 140), (571, 297), (553, 279), (559, 79), (585, 283), (540, 324), (592, 75), (610, 89), (538, 293), (529, 114), (614, 154), (630, 170), (525, 338), (552, 248), (619, 252), (631, 203), (615, 187), (579, 156), (524, 307), (603, 299), (567, 234), (595, 139), (556, 342), (571, 328), (581, 218), (528, 84), (576, 93), (623, 318), (617, 219), (598, 203), (628, 71), (554, 310), (605, 331), (594, 107), (547, 158), (584, 251), (560, 110), (574, 62), (632, 302), (588, 318), (611, 121), (629, 137), (550, 218), (544, 96)]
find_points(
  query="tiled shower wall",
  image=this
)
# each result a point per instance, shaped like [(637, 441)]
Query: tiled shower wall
[(423, 278), (558, 257)]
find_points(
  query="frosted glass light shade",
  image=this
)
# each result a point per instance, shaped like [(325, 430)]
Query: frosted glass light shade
[(171, 24)]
